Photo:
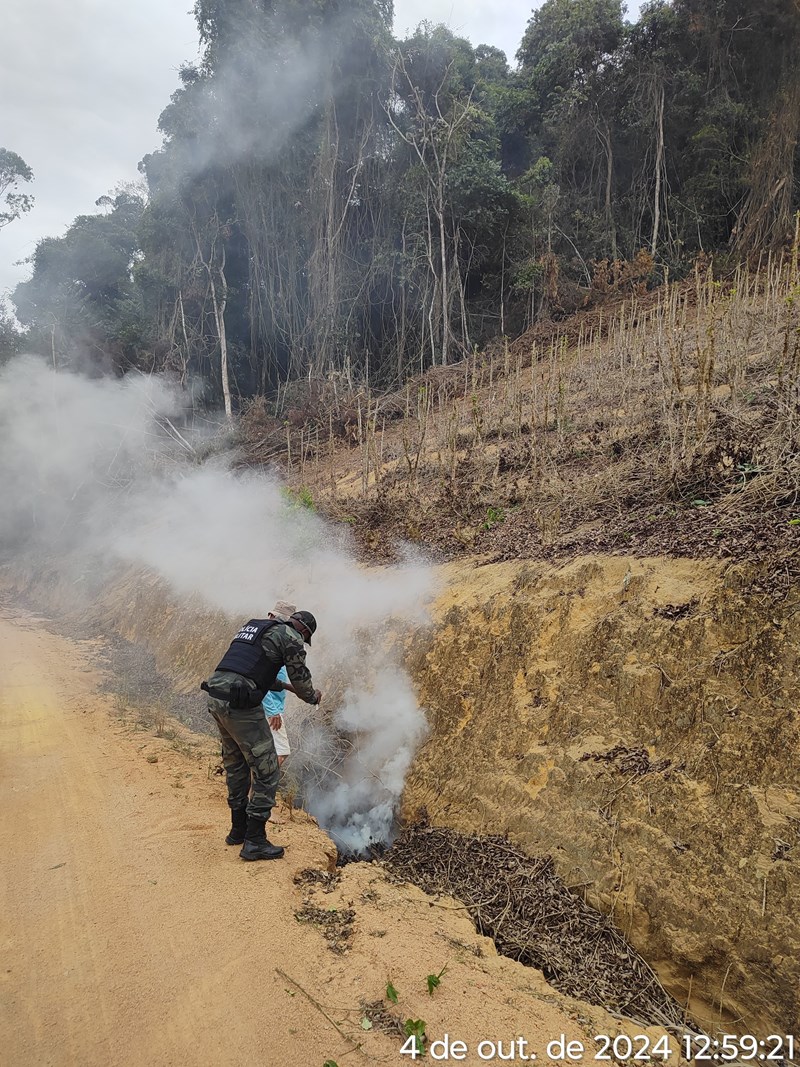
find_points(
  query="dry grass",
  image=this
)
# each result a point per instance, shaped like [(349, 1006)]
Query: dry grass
[(668, 422)]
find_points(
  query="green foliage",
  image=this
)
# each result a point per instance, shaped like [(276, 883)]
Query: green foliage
[(494, 516), (11, 339), (391, 993), (481, 197), (81, 295), (330, 201), (435, 980), (301, 497), (415, 1029), (13, 170), (567, 41)]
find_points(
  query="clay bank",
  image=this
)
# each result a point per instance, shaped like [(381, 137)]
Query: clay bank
[(633, 719), (636, 720)]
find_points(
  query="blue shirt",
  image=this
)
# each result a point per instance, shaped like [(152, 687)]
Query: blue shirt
[(273, 702)]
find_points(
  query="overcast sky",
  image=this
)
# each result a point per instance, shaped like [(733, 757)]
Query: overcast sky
[(82, 85)]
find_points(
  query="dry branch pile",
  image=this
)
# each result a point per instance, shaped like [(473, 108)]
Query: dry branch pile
[(521, 903), (635, 761)]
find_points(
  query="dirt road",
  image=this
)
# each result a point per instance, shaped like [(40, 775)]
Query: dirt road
[(132, 935)]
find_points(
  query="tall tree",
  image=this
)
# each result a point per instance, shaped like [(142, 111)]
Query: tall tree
[(651, 80), (765, 218), (81, 299), (430, 111), (13, 170), (569, 75)]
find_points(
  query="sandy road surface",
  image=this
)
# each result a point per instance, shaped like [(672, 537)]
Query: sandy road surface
[(131, 934), (127, 925)]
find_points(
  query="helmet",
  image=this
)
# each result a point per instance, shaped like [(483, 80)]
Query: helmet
[(306, 619)]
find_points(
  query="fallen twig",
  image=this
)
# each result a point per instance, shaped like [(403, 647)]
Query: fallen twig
[(354, 1047)]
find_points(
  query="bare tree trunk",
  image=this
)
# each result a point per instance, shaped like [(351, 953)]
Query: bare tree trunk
[(444, 279), (436, 280), (610, 224), (466, 344), (433, 138), (659, 166), (218, 304), (503, 286), (401, 333)]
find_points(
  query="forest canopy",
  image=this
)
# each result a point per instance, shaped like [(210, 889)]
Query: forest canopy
[(329, 200)]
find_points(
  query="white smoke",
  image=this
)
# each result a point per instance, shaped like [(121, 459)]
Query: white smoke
[(278, 101), (268, 83), (99, 472), (384, 728)]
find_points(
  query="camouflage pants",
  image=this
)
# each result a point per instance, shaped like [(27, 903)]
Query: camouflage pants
[(248, 756)]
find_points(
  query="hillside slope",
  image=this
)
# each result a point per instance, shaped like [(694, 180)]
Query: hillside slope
[(613, 670), (665, 424)]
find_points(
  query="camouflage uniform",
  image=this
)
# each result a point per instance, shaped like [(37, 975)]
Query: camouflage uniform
[(248, 750)]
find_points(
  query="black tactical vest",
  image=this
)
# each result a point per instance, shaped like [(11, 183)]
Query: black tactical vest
[(246, 655)]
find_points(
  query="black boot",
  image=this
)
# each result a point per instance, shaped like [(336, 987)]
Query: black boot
[(256, 845), (238, 826)]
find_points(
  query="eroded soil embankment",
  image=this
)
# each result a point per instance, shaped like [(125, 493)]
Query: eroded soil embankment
[(635, 719)]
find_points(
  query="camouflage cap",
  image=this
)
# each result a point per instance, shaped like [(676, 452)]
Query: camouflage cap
[(283, 610), (305, 618)]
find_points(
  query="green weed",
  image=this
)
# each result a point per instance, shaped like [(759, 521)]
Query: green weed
[(415, 1031), (298, 498), (494, 517), (435, 980)]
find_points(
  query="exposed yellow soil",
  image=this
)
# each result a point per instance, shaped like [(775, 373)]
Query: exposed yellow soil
[(689, 835), (132, 935), (533, 669)]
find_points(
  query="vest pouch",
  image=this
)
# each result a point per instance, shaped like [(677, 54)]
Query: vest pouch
[(242, 696)]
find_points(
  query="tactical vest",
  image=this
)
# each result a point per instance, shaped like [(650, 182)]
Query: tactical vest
[(246, 655)]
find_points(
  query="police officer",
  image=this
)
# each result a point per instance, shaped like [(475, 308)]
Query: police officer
[(235, 690)]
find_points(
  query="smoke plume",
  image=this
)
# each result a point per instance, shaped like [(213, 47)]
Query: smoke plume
[(98, 473)]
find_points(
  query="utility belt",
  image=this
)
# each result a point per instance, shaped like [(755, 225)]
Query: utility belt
[(238, 695)]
